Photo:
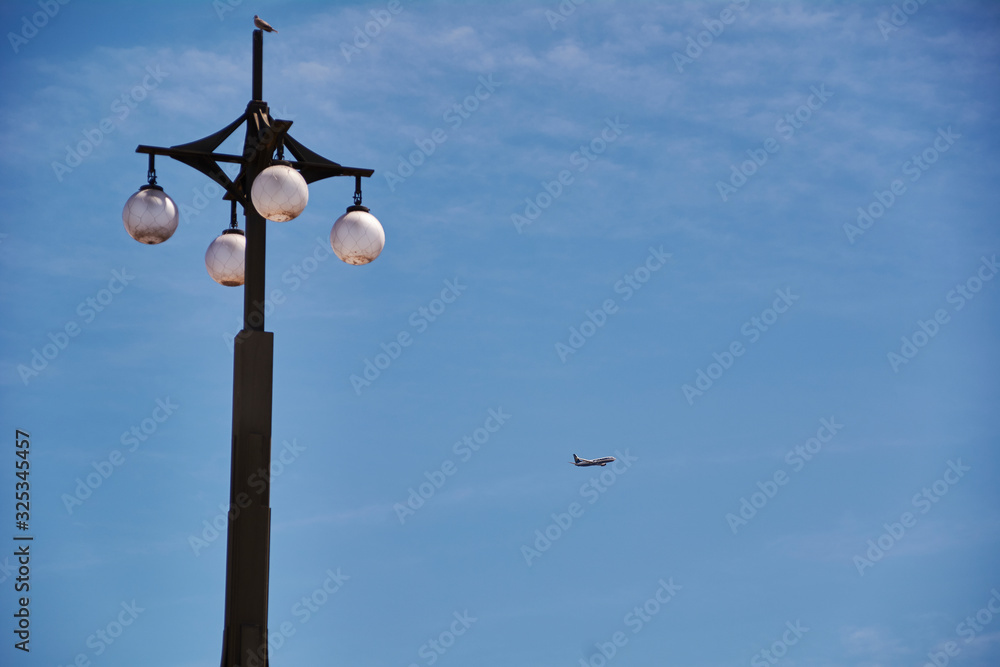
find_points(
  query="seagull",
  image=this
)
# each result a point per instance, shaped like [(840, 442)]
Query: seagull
[(262, 24)]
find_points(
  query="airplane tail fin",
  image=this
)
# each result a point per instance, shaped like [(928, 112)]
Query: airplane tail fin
[(576, 459)]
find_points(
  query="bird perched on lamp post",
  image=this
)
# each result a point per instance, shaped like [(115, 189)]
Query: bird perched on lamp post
[(262, 24)]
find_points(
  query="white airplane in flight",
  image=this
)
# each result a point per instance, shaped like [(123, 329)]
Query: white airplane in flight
[(603, 461)]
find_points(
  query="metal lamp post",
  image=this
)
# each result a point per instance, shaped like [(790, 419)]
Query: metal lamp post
[(151, 217)]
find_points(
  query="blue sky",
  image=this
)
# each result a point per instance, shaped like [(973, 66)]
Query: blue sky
[(749, 249)]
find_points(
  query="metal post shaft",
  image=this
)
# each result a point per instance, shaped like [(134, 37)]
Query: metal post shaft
[(248, 543)]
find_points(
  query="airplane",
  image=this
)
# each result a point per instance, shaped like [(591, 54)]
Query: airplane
[(603, 461)]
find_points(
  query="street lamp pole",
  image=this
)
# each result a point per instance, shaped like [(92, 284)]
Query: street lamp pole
[(357, 238), (249, 538)]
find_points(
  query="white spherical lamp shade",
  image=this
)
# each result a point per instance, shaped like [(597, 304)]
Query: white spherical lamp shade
[(225, 257), (150, 216), (357, 236), (279, 193)]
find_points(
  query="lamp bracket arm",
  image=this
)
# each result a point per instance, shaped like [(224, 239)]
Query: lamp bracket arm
[(315, 167)]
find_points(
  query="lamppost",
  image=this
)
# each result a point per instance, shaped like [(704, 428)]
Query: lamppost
[(267, 186)]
